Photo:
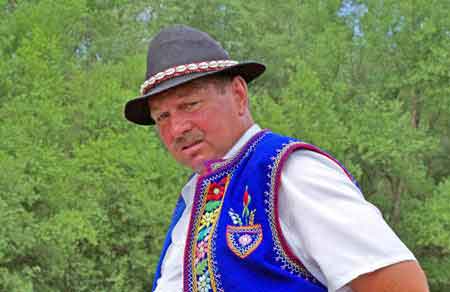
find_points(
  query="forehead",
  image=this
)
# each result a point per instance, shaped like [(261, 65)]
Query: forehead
[(193, 88)]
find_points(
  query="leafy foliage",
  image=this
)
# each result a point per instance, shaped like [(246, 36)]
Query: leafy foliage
[(85, 197)]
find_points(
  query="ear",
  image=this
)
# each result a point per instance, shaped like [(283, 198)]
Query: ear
[(240, 92)]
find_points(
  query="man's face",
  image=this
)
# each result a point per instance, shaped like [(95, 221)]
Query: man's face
[(200, 120)]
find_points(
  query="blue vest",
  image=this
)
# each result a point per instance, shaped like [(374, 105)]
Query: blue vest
[(234, 240)]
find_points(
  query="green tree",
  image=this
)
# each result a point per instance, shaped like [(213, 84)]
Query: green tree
[(85, 197)]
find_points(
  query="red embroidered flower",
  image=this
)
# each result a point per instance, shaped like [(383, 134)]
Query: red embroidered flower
[(216, 190), (246, 198)]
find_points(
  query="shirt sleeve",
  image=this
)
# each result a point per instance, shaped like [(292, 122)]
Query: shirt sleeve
[(328, 224)]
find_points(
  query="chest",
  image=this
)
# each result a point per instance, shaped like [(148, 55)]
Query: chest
[(234, 240)]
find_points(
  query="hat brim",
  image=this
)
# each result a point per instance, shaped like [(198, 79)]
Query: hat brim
[(137, 111)]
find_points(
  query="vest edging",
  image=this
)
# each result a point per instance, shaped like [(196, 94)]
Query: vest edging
[(200, 268)]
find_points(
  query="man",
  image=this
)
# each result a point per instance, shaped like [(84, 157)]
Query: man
[(262, 212)]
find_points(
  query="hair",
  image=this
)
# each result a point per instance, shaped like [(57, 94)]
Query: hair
[(219, 81)]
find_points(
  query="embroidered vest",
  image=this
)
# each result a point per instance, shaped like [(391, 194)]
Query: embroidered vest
[(234, 240)]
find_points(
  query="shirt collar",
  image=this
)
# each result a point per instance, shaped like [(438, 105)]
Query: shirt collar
[(189, 188), (244, 139)]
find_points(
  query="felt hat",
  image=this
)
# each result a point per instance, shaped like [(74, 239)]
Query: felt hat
[(177, 55)]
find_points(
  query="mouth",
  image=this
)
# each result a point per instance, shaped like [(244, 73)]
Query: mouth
[(191, 145)]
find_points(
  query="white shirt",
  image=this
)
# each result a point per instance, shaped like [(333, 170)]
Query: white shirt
[(324, 218)]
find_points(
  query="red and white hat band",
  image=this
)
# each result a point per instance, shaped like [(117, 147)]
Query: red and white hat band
[(184, 70)]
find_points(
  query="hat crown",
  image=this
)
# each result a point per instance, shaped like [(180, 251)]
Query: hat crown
[(180, 45), (201, 56)]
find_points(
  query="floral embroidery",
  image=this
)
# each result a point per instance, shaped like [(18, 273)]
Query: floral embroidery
[(204, 283), (215, 191), (209, 196), (202, 249), (208, 218), (244, 236), (214, 195)]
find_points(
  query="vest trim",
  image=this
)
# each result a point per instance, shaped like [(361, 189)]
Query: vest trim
[(292, 262), (200, 268), (215, 171)]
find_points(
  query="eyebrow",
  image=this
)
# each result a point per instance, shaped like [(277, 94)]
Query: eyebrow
[(156, 108), (195, 85)]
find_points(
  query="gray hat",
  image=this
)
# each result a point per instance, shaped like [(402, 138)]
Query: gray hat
[(178, 55)]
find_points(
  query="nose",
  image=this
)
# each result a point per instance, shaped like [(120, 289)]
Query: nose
[(180, 124)]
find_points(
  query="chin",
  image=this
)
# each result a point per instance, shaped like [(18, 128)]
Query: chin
[(195, 166), (198, 166)]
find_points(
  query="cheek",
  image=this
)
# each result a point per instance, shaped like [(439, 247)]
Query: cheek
[(165, 138), (218, 132), (212, 128), (203, 121)]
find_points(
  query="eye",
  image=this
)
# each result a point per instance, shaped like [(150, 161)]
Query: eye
[(161, 117), (190, 106)]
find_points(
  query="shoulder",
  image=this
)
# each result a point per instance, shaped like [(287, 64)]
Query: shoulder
[(311, 160), (331, 227), (315, 168)]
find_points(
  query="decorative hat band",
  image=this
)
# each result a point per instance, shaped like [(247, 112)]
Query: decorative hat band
[(184, 70)]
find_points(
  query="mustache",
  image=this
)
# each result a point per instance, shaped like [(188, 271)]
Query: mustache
[(187, 139)]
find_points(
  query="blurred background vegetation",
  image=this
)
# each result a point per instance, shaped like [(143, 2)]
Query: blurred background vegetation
[(85, 197)]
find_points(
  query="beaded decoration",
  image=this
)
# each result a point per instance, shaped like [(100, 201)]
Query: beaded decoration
[(184, 70)]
